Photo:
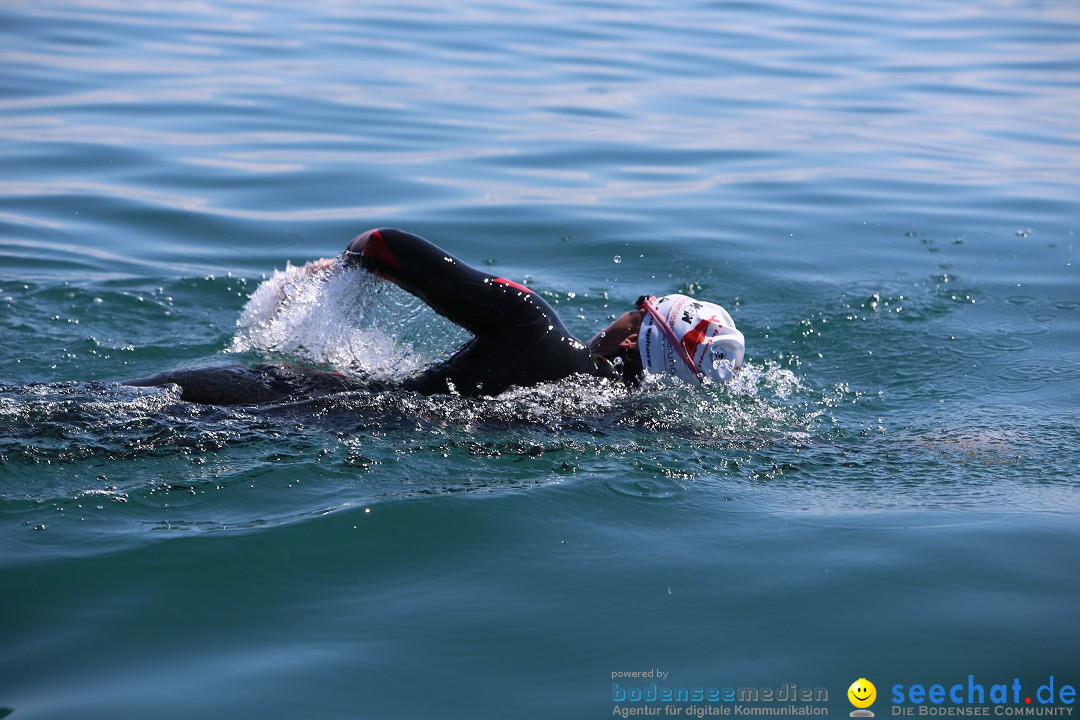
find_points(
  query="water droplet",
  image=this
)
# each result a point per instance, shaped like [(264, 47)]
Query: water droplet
[(618, 259)]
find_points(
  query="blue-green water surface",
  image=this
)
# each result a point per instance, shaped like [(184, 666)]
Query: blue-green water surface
[(883, 194)]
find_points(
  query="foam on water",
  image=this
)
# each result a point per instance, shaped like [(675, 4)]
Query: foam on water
[(352, 321)]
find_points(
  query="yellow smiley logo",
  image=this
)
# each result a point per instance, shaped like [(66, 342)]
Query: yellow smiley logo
[(862, 693)]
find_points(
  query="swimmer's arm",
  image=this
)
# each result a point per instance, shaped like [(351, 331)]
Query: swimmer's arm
[(278, 288), (455, 290), (316, 268), (319, 265)]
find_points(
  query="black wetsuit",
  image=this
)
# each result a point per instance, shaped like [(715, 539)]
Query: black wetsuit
[(518, 338)]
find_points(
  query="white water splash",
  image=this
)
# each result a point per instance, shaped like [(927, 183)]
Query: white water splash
[(325, 314)]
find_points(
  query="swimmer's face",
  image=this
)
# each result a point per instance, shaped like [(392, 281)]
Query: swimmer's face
[(862, 693), (619, 335)]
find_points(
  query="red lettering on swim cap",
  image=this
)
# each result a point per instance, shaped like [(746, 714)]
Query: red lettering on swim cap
[(695, 337), (665, 328)]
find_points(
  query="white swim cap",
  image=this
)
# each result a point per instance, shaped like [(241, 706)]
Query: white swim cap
[(705, 331)]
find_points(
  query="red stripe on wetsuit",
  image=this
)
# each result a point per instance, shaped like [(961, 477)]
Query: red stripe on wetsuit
[(511, 283)]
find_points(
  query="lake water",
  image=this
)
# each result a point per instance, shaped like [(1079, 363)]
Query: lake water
[(883, 194)]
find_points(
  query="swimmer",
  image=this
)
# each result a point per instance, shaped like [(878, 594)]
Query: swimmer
[(518, 339)]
